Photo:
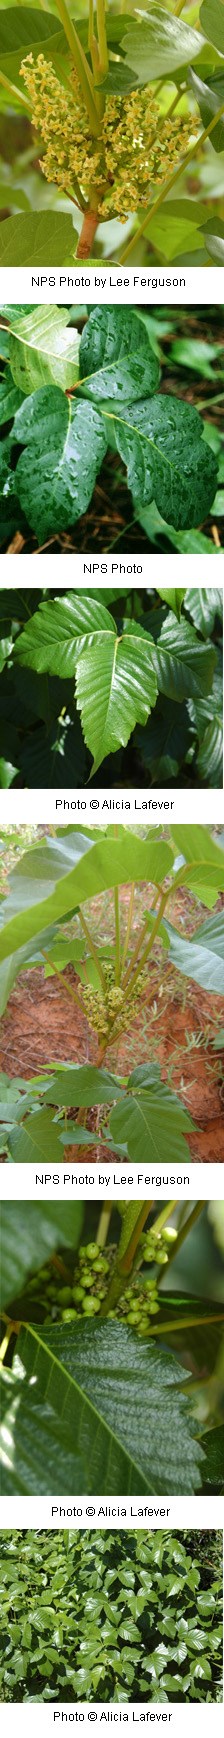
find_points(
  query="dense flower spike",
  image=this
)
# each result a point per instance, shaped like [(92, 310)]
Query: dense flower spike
[(128, 157)]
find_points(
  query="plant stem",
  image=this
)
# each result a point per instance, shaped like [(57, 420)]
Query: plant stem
[(131, 1230), (92, 41), (102, 37), (12, 1328), (129, 926), (81, 65), (184, 1322), (87, 233), (139, 943), (92, 948), (147, 950), (171, 180), (117, 935), (13, 92), (104, 1222), (163, 1216)]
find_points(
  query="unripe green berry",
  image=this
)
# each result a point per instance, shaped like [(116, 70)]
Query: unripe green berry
[(69, 1315), (65, 1294), (101, 1265), (91, 1250), (161, 1257), (153, 1308), (78, 1293), (86, 1278), (90, 1306), (170, 1234), (132, 1318)]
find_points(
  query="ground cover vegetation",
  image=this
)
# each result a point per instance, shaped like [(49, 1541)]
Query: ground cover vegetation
[(112, 1348), (119, 687), (111, 1617), (71, 401), (113, 144), (44, 922)]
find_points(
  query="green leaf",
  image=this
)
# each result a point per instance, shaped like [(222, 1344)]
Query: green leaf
[(116, 357), (196, 1639), (37, 1142), (159, 44), (213, 1445), (23, 29), (215, 243), (58, 874), (173, 598), (28, 1239), (43, 350), (174, 229), (65, 443), (167, 460), (10, 398), (184, 665), (84, 1086), (209, 101), (212, 20), (203, 869), (115, 680), (210, 754), (163, 744), (201, 958), (203, 604), (188, 542), (43, 236), (114, 1454), (148, 1118)]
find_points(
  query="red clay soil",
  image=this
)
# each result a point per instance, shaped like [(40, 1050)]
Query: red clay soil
[(39, 1028)]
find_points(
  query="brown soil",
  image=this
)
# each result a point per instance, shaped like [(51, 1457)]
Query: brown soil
[(174, 1028)]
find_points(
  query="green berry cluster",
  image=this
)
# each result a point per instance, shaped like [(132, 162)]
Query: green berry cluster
[(84, 1293)]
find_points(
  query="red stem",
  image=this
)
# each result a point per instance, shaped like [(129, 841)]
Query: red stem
[(87, 233)]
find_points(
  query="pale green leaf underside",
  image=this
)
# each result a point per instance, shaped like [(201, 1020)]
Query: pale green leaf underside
[(59, 874), (160, 441), (160, 44), (29, 1238), (43, 350), (65, 443), (202, 958), (99, 1415), (116, 683)]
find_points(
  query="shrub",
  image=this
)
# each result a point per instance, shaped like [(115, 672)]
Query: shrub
[(111, 1617)]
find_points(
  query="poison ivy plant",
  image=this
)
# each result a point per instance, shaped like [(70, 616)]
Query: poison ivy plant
[(106, 101), (83, 396), (74, 1314), (147, 1612), (48, 889), (93, 674)]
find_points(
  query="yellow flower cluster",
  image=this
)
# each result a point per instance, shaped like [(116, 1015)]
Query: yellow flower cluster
[(124, 162)]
